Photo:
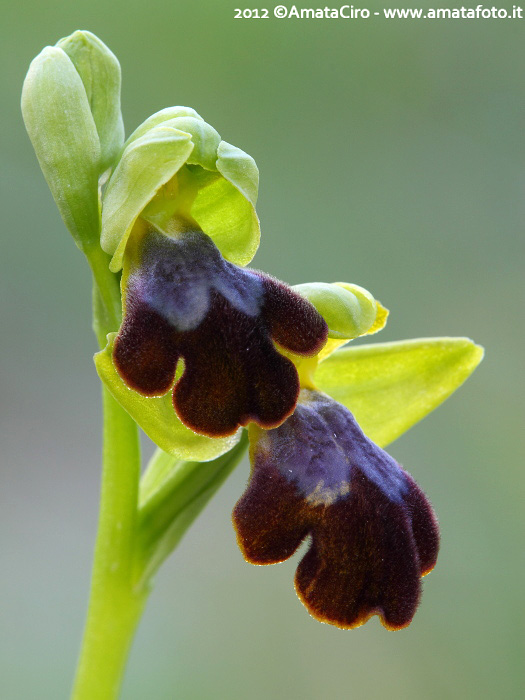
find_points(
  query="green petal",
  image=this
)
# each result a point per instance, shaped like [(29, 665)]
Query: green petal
[(99, 70), (204, 137), (157, 417), (146, 164), (164, 116), (60, 125), (205, 140), (225, 207), (224, 214), (240, 169), (390, 386)]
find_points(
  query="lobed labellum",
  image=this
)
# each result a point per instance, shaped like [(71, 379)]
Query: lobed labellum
[(373, 532), (184, 301)]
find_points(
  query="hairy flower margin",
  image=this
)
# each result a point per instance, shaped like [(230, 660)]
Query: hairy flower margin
[(207, 347)]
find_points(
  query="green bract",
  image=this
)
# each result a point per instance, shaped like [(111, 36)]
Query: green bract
[(60, 125), (175, 166), (172, 494), (99, 71), (391, 386)]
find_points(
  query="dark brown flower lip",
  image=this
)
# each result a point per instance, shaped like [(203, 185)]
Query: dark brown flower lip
[(373, 532), (184, 301)]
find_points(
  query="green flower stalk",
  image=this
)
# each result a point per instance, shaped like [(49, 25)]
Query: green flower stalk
[(208, 356)]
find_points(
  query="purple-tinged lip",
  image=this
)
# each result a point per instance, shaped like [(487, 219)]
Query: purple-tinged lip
[(373, 532), (184, 301)]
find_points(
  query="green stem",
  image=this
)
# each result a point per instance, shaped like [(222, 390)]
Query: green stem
[(107, 305), (115, 606), (133, 537)]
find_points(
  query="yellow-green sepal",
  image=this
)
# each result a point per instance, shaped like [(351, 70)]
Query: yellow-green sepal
[(61, 127), (99, 71), (146, 164), (157, 417), (391, 386), (240, 169), (210, 152), (214, 186), (225, 207)]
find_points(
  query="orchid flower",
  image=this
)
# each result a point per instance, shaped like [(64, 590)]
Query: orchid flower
[(206, 355)]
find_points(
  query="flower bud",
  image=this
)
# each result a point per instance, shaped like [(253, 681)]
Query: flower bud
[(99, 71), (60, 125), (348, 309), (175, 168)]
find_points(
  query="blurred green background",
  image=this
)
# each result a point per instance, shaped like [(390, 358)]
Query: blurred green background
[(392, 155)]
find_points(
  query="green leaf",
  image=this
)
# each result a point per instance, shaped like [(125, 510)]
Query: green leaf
[(99, 70), (146, 164), (60, 125), (172, 494), (157, 417), (391, 386)]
